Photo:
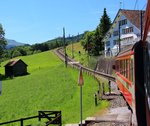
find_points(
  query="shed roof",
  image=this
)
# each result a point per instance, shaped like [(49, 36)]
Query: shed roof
[(13, 62)]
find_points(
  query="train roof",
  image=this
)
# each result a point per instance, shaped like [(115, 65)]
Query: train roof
[(128, 50)]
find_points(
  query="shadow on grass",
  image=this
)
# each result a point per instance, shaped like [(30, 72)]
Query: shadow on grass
[(3, 77)]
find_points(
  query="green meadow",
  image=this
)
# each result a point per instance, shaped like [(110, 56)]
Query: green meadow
[(83, 57), (49, 86)]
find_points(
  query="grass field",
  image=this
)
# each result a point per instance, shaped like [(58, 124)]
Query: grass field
[(49, 86), (83, 57)]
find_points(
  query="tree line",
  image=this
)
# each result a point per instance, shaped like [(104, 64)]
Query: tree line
[(32, 49), (26, 50)]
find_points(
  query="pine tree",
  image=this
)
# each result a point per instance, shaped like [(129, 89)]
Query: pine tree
[(102, 29), (105, 23)]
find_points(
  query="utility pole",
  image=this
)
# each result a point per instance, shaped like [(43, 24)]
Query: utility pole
[(72, 48), (120, 4), (119, 37), (80, 83), (88, 52), (64, 41), (78, 37)]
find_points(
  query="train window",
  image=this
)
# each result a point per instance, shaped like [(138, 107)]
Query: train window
[(131, 70), (121, 66), (117, 66), (128, 68), (125, 68)]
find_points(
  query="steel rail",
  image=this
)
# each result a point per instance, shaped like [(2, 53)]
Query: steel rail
[(61, 55)]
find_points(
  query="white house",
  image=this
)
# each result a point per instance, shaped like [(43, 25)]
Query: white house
[(127, 25)]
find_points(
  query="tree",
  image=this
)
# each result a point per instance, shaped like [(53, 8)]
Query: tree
[(102, 29), (87, 42), (105, 23), (97, 46), (16, 53), (3, 42)]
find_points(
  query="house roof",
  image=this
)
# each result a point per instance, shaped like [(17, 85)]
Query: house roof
[(13, 62), (134, 16)]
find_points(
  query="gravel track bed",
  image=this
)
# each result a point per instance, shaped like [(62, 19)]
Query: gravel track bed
[(110, 124), (116, 100)]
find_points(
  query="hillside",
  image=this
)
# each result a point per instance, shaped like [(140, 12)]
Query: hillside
[(68, 39), (49, 86), (83, 57)]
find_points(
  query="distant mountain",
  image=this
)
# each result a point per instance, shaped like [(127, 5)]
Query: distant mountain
[(12, 43)]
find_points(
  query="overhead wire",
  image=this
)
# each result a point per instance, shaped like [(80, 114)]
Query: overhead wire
[(135, 4)]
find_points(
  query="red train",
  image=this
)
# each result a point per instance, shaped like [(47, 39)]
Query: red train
[(133, 75), (133, 79)]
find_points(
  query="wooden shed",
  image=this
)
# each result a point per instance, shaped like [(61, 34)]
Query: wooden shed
[(15, 68)]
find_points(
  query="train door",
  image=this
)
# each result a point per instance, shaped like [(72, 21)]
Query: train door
[(147, 80), (139, 84)]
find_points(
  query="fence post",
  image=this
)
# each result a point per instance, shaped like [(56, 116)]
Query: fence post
[(60, 119), (109, 85), (98, 94), (95, 96), (99, 86), (39, 116), (21, 122), (103, 88)]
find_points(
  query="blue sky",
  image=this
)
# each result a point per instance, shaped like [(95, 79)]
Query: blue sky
[(34, 21)]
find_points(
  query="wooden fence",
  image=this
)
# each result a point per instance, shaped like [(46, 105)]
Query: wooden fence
[(53, 117)]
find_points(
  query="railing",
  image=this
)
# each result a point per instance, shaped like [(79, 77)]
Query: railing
[(107, 76), (53, 117)]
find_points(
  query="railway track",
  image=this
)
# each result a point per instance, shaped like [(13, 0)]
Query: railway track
[(118, 101), (70, 61)]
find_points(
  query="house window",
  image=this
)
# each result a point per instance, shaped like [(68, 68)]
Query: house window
[(115, 42), (115, 33), (127, 30), (108, 43), (109, 35), (123, 22)]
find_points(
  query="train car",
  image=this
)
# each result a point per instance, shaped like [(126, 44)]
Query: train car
[(125, 75), (146, 52), (132, 68), (133, 74)]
